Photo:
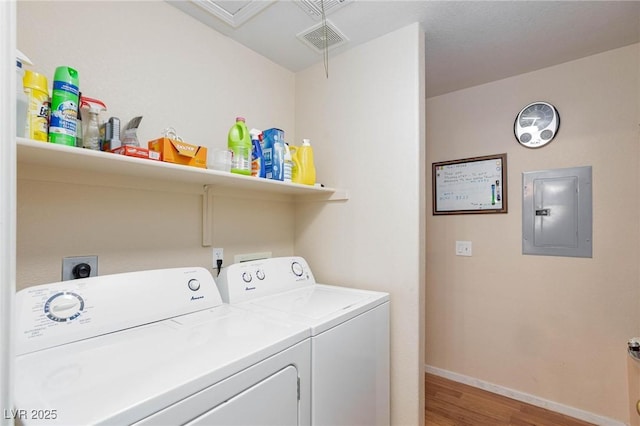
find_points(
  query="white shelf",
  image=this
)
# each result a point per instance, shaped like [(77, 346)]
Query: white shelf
[(72, 158)]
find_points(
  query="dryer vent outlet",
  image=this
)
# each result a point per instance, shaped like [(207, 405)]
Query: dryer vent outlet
[(79, 267)]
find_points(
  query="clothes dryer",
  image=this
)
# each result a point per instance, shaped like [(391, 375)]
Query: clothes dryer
[(155, 347), (349, 335)]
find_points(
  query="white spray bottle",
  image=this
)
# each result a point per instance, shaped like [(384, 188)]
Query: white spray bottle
[(91, 134)]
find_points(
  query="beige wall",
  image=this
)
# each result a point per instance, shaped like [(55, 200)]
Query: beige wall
[(366, 123), (162, 64), (552, 327)]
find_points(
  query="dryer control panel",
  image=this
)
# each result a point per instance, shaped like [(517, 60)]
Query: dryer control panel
[(54, 314), (249, 280)]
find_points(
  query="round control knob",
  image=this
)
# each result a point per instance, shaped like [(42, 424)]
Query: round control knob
[(297, 269), (260, 274), (65, 306), (194, 284), (246, 277), (81, 270)]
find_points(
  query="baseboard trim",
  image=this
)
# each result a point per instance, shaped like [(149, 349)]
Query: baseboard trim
[(524, 397)]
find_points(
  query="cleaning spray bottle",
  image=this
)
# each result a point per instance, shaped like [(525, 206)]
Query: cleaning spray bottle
[(91, 134), (64, 106), (257, 160)]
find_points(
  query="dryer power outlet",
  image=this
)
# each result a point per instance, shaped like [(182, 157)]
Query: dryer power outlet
[(79, 267)]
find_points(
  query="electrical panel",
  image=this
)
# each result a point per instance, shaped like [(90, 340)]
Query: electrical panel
[(557, 212)]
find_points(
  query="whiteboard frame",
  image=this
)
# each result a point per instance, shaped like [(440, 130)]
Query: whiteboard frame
[(437, 210)]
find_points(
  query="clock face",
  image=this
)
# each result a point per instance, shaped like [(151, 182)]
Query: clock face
[(536, 125)]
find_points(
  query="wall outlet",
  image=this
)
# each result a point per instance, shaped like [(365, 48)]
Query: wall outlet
[(463, 248), (218, 254), (79, 267), (248, 257)]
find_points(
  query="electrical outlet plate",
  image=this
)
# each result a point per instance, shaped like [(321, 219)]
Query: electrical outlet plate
[(218, 254), (247, 257), (68, 263), (463, 248)]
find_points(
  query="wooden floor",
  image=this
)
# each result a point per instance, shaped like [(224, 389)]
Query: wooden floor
[(451, 403)]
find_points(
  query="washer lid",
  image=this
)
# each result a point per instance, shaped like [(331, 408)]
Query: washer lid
[(319, 306), (122, 377)]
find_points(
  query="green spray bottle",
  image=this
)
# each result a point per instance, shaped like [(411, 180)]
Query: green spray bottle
[(64, 106)]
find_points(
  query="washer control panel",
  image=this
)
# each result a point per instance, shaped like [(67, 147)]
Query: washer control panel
[(58, 313), (249, 280)]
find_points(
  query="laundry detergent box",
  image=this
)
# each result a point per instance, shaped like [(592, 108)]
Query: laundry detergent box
[(178, 152)]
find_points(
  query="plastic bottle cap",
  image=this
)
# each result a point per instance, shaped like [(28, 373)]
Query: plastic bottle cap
[(240, 119), (306, 142), (35, 80)]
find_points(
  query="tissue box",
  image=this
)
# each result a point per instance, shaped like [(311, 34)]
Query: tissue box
[(178, 152), (136, 151)]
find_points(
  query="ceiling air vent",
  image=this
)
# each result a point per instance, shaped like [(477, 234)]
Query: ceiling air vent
[(314, 37), (313, 8)]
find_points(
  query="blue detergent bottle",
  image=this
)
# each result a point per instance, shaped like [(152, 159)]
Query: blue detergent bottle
[(274, 152), (257, 159)]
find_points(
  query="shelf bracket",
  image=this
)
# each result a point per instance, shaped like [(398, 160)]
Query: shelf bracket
[(207, 215)]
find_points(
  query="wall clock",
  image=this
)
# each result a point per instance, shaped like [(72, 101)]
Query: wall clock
[(536, 124)]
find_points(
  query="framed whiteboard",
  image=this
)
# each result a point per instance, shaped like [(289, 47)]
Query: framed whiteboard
[(471, 185)]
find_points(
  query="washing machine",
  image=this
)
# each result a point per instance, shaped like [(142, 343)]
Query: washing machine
[(155, 347), (349, 335)]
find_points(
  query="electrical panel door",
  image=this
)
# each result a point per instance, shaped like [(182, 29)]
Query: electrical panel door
[(557, 212)]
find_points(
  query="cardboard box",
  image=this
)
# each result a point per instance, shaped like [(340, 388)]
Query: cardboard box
[(136, 151), (174, 151)]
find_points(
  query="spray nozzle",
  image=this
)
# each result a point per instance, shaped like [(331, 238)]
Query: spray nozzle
[(94, 105), (255, 134), (21, 59)]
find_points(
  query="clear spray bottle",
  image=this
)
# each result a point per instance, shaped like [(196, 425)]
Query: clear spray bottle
[(91, 134)]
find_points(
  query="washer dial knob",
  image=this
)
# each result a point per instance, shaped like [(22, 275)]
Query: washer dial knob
[(246, 277), (194, 284), (260, 274), (64, 306), (297, 269)]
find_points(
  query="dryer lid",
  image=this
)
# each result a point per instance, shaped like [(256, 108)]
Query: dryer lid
[(54, 314)]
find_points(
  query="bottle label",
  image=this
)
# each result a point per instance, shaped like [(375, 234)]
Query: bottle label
[(64, 110), (66, 87), (63, 119), (255, 167), (287, 170), (268, 162), (37, 127)]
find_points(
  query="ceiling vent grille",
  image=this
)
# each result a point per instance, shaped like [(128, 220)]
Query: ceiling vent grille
[(313, 8), (314, 37)]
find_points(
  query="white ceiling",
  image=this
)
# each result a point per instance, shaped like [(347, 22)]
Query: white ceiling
[(467, 42)]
